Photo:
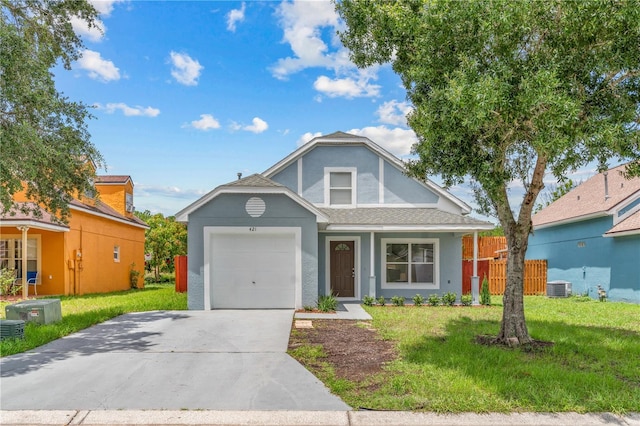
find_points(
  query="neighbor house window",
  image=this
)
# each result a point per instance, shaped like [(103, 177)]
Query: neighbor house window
[(340, 186), (116, 253), (410, 263), (11, 254)]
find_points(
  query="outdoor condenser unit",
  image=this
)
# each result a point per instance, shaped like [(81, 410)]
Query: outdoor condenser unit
[(558, 289), (44, 311), (11, 329)]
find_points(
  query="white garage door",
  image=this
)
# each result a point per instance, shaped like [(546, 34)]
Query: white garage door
[(253, 270)]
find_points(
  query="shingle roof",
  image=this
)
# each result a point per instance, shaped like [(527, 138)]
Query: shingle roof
[(630, 224), (16, 217), (589, 198), (255, 180), (106, 179), (398, 216), (103, 208)]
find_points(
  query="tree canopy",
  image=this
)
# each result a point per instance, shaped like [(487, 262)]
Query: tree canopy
[(43, 135), (506, 91), (164, 239)]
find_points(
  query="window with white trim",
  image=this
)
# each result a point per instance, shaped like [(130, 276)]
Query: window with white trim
[(410, 263), (340, 186), (116, 254)]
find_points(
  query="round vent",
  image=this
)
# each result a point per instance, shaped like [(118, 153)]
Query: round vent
[(255, 206)]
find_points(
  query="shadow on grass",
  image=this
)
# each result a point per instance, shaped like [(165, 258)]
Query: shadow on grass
[(123, 333), (586, 369)]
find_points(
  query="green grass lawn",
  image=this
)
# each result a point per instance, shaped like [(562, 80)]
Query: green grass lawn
[(593, 366), (79, 312)]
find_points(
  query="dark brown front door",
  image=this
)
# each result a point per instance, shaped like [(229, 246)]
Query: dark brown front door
[(342, 268)]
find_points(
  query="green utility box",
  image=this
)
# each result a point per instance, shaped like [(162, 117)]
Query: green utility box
[(44, 311), (11, 329)]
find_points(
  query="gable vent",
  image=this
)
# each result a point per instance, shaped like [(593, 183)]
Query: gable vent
[(255, 207)]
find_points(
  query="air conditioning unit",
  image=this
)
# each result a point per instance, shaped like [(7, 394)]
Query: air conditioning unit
[(558, 289), (130, 208), (44, 311), (11, 329)]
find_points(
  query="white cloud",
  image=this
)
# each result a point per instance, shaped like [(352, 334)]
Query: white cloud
[(98, 68), (186, 70), (302, 23), (345, 87), (81, 28), (397, 141), (206, 122), (307, 137), (235, 16), (167, 191), (258, 126), (394, 113), (129, 111), (105, 7)]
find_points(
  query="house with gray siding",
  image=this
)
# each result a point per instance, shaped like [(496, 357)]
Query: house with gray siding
[(591, 237), (338, 215)]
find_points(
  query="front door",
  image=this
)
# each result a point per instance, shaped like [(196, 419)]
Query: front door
[(342, 268)]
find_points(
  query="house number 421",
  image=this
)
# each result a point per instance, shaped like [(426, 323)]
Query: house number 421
[(252, 229)]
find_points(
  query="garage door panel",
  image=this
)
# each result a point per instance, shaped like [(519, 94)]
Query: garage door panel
[(253, 271)]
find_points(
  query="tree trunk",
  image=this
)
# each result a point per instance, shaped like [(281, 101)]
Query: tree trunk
[(513, 330)]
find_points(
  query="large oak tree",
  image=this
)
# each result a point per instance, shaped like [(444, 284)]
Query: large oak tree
[(508, 91), (44, 142)]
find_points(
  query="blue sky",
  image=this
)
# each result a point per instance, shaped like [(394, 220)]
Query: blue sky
[(188, 94)]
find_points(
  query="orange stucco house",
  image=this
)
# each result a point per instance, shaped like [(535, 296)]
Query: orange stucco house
[(93, 253)]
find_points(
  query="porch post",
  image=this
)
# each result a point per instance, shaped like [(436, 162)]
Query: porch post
[(372, 266), (25, 287), (475, 280)]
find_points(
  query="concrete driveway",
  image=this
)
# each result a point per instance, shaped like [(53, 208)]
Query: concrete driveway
[(210, 360)]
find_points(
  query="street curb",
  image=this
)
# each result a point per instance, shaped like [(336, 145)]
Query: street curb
[(306, 418)]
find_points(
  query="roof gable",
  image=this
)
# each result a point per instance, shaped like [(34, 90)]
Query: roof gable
[(600, 195), (346, 139)]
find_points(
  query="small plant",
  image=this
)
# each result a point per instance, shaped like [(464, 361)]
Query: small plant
[(368, 300), (7, 277), (134, 276), (327, 303), (433, 300), (449, 299), (308, 308), (397, 301), (418, 300), (602, 294), (382, 301), (485, 295), (466, 299)]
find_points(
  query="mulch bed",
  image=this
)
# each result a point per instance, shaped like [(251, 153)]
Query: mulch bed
[(353, 348)]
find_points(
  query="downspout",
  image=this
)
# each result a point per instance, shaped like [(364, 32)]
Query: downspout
[(475, 280), (25, 287)]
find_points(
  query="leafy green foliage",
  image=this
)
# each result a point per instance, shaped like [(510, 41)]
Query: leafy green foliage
[(433, 300), (466, 299), (327, 303), (397, 301), (45, 142), (381, 301), (485, 295), (164, 239), (368, 300), (553, 192), (507, 91), (449, 299), (418, 300)]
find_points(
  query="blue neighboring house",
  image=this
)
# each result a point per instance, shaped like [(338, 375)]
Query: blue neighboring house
[(338, 216), (591, 237)]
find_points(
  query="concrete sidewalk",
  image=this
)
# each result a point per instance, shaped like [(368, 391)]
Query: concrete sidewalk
[(308, 418)]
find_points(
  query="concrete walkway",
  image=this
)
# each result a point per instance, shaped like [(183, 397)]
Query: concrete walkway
[(347, 311), (310, 418)]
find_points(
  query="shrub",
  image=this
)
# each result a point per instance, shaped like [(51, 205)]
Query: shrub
[(433, 300), (397, 300), (449, 299), (327, 303), (418, 300), (134, 276), (382, 301), (466, 299), (485, 296), (7, 277), (308, 308), (368, 300)]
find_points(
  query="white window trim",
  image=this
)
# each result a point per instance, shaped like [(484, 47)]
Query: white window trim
[(38, 239), (327, 186), (405, 286), (356, 265), (116, 251)]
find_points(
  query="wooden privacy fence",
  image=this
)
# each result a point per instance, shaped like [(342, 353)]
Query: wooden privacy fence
[(487, 246), (535, 277)]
